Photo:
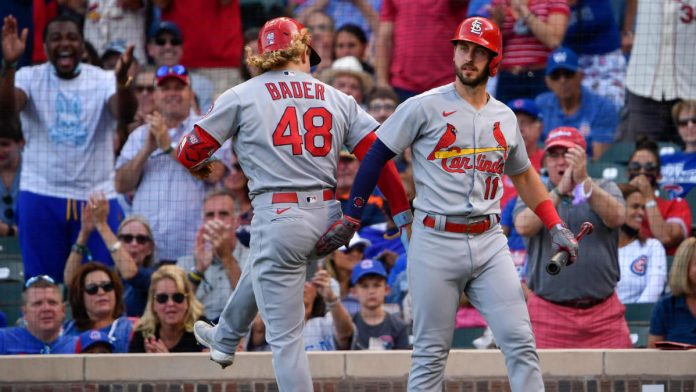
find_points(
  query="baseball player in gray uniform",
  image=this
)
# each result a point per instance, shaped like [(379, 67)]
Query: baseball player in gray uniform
[(463, 140), (287, 130)]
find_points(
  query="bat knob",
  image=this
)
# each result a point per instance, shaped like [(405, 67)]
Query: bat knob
[(557, 262)]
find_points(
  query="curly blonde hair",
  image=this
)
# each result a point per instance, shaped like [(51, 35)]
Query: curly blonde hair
[(679, 281), (267, 61), (149, 322)]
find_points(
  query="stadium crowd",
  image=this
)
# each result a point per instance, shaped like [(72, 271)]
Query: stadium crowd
[(123, 249)]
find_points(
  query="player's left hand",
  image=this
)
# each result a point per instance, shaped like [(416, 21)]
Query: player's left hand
[(337, 235)]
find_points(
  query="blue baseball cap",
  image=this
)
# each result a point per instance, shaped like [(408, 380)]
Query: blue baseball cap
[(562, 58), (90, 338), (524, 105), (168, 26), (367, 267)]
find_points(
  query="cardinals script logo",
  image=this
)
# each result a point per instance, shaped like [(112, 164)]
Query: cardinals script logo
[(458, 160)]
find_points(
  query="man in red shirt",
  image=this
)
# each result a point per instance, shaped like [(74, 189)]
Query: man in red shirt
[(213, 39)]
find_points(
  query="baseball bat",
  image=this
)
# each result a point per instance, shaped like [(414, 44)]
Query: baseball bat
[(560, 259)]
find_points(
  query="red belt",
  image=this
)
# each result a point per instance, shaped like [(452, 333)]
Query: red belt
[(291, 197), (467, 228)]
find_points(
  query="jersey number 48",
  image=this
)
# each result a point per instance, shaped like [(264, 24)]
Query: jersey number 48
[(287, 132)]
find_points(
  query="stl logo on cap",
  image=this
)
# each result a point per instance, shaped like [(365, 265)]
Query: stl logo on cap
[(270, 38), (476, 27)]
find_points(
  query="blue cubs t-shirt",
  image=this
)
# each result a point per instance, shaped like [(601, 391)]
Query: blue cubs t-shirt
[(678, 174), (18, 340)]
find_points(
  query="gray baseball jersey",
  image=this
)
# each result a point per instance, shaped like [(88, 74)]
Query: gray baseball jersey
[(459, 157), (287, 129), (459, 153)]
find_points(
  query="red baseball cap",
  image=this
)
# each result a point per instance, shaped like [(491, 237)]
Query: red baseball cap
[(565, 137), (178, 72)]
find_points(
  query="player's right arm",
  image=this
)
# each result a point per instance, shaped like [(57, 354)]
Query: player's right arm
[(12, 99), (196, 149)]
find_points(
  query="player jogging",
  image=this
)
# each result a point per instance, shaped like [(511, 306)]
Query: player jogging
[(287, 129), (463, 140)]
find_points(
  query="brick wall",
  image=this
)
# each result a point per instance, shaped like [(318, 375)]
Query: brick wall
[(467, 370)]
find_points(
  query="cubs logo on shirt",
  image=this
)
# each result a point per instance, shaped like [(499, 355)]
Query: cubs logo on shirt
[(640, 265)]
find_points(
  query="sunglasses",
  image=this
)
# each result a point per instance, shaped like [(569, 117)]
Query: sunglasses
[(140, 89), (555, 75), (163, 298), (682, 122), (387, 107), (33, 280), (160, 41), (140, 239), (165, 70), (93, 288), (636, 167)]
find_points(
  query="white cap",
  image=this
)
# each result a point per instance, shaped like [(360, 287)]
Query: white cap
[(356, 240)]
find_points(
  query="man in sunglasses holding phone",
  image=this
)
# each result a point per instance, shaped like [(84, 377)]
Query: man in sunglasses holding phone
[(165, 193), (44, 311), (166, 47), (569, 104)]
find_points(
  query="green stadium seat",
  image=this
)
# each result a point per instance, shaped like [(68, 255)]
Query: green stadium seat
[(464, 337), (607, 170), (618, 152), (638, 320), (11, 286)]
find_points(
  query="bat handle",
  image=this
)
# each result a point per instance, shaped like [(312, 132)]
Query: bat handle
[(557, 262)]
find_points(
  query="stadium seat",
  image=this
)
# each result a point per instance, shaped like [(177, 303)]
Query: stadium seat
[(618, 153), (667, 148), (691, 200), (607, 170), (11, 285), (638, 320), (464, 337)]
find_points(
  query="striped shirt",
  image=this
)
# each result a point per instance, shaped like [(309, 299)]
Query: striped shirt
[(520, 47)]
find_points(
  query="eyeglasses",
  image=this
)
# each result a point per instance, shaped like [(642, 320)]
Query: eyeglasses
[(555, 75), (386, 106), (682, 122), (160, 41), (31, 281), (139, 238), (320, 27), (163, 298), (637, 166), (141, 89), (165, 70), (93, 288)]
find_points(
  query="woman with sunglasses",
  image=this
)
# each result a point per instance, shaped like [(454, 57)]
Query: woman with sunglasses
[(132, 249), (669, 221), (171, 311), (96, 300)]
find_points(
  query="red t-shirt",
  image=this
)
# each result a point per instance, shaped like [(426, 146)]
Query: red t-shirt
[(509, 190), (421, 56), (672, 211), (525, 49), (212, 32)]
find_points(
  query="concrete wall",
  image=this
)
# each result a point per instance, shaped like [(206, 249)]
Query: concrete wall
[(467, 370)]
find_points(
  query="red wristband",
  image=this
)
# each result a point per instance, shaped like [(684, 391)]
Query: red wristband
[(547, 213)]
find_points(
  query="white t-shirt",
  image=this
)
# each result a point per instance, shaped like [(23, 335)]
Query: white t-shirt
[(107, 23), (643, 272), (69, 132)]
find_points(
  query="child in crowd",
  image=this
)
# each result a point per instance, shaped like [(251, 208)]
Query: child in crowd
[(375, 329)]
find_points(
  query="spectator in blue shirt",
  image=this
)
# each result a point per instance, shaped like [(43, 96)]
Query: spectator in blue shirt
[(44, 311), (672, 319), (570, 104)]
